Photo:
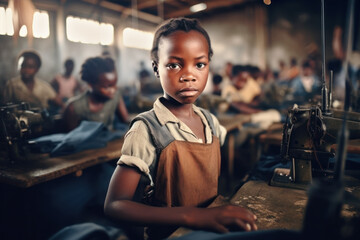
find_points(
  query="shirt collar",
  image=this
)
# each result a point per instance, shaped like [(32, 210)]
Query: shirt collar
[(164, 115)]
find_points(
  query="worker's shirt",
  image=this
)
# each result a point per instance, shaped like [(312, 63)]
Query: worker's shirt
[(247, 94), (138, 150), (16, 91)]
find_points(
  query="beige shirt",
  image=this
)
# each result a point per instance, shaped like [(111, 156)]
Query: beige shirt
[(246, 94), (16, 91), (138, 150)]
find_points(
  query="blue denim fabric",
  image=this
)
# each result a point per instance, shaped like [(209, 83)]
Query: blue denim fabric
[(88, 135)]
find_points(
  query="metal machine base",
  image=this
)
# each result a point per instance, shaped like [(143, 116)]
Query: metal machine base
[(283, 178)]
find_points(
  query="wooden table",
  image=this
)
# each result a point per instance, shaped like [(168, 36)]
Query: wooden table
[(277, 207), (283, 208), (38, 168)]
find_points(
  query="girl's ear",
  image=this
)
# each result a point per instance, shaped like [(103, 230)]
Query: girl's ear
[(155, 69)]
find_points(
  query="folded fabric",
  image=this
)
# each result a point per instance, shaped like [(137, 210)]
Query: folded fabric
[(88, 135), (46, 144)]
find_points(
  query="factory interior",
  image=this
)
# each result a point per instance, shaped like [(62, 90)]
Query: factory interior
[(179, 119)]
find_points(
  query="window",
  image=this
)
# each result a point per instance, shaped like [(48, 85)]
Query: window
[(41, 27), (137, 39), (89, 31)]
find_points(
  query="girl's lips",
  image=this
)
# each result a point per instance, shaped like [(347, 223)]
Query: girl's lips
[(188, 92)]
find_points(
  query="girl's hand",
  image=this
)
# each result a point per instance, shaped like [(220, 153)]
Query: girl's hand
[(222, 219)]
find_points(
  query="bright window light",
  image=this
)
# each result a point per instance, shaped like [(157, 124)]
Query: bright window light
[(23, 31), (9, 22), (2, 21), (89, 31), (41, 26), (137, 39), (6, 25), (106, 33)]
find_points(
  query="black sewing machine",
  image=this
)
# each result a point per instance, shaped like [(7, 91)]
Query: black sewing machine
[(19, 123), (308, 135)]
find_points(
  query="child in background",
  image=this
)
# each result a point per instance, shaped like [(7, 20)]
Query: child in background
[(101, 101), (306, 86), (244, 91), (66, 85), (170, 162), (28, 88)]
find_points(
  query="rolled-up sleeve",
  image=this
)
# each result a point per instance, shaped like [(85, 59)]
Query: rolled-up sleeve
[(138, 150)]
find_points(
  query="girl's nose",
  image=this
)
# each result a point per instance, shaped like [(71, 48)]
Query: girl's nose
[(187, 77)]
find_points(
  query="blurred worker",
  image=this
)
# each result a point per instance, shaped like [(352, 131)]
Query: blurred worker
[(28, 88)]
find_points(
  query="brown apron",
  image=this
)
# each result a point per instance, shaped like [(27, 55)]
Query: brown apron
[(187, 175)]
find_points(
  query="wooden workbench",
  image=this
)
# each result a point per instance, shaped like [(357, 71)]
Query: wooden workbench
[(277, 207), (38, 168)]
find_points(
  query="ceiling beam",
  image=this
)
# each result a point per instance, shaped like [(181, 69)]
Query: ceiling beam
[(147, 4), (174, 3), (127, 11)]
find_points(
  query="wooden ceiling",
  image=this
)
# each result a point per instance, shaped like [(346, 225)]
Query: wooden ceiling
[(157, 10)]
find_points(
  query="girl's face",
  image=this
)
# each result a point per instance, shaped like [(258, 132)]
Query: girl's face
[(183, 65), (106, 85), (28, 68)]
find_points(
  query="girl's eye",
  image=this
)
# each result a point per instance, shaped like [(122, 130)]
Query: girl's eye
[(173, 66), (200, 65)]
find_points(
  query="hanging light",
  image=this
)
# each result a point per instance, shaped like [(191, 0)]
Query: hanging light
[(198, 7), (267, 2)]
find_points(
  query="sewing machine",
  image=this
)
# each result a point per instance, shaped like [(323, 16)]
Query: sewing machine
[(18, 123), (308, 135)]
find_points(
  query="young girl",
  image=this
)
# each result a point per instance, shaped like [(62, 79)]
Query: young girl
[(101, 101), (175, 147)]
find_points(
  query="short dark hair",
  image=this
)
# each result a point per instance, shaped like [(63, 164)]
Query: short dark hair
[(306, 64), (217, 79), (69, 61), (33, 55), (236, 69), (93, 67), (177, 24), (293, 61)]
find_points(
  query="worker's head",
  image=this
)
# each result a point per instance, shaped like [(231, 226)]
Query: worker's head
[(29, 63), (69, 66), (100, 74), (307, 68), (240, 75)]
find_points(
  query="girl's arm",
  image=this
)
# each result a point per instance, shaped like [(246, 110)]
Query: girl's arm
[(122, 111), (70, 118), (118, 204)]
